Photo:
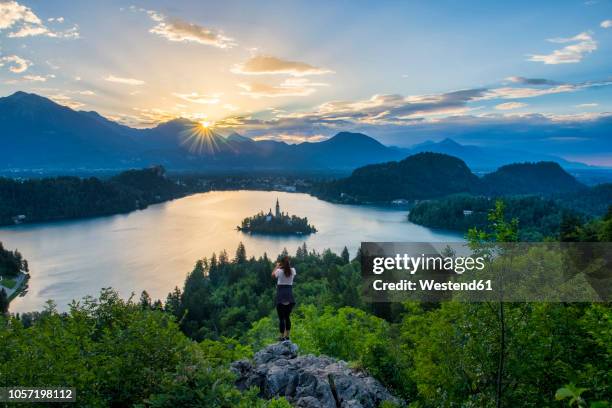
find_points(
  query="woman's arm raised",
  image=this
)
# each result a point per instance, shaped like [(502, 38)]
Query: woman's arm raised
[(275, 269)]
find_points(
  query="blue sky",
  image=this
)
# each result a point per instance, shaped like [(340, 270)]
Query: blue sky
[(305, 70)]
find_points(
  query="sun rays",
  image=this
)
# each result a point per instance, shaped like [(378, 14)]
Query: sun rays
[(201, 139)]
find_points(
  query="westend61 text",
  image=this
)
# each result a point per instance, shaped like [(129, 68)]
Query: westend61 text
[(432, 285)]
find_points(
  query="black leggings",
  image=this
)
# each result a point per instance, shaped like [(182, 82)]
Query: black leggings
[(284, 322)]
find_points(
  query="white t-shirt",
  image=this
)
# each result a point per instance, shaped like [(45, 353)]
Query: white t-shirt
[(281, 279)]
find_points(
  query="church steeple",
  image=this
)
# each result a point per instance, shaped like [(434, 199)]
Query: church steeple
[(278, 213)]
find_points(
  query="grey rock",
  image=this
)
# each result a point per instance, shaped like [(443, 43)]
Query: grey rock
[(309, 381)]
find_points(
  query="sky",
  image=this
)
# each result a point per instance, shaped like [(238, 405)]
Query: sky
[(402, 72)]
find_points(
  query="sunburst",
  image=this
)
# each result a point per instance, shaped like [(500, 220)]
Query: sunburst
[(201, 139)]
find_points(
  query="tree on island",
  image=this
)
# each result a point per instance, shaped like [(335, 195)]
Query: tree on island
[(277, 223)]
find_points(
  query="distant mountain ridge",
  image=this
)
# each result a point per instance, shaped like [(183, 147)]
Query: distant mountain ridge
[(487, 158), (38, 133)]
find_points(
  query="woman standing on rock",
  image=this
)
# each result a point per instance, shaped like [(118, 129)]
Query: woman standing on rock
[(284, 274)]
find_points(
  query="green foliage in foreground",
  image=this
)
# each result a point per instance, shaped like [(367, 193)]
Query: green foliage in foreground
[(116, 355)]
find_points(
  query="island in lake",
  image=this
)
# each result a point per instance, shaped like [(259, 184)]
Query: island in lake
[(277, 223)]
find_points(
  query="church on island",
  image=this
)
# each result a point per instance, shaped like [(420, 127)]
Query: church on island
[(278, 223), (277, 214)]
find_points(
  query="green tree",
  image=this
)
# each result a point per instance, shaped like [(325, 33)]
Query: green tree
[(241, 256), (345, 255), (4, 302), (500, 231), (145, 300)]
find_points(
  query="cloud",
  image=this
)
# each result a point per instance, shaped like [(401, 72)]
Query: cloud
[(125, 81), (269, 65), (586, 105), (15, 63), (144, 117), (12, 13), (66, 100), (606, 24), (510, 105), (583, 43), (230, 107), (28, 31), (289, 87), (398, 114), (292, 138), (398, 111), (528, 92), (531, 81), (26, 23), (381, 109), (175, 29), (194, 97), (517, 93), (37, 78)]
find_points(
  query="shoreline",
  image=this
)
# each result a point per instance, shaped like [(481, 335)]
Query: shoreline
[(337, 202)]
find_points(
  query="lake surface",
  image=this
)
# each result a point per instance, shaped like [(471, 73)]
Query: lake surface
[(155, 248)]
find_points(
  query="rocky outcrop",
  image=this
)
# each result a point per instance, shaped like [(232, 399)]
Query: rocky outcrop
[(309, 381)]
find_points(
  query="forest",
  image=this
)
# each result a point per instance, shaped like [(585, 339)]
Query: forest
[(52, 199), (175, 352), (539, 216)]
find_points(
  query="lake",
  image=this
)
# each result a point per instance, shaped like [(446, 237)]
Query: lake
[(155, 248)]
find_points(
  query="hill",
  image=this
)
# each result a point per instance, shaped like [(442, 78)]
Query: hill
[(433, 175), (530, 178), (421, 176)]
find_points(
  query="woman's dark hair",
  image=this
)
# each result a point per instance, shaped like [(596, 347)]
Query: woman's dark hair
[(286, 266)]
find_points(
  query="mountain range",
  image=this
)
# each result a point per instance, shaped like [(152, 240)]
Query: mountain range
[(38, 133), (480, 158)]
